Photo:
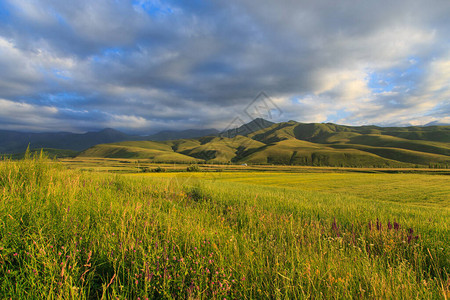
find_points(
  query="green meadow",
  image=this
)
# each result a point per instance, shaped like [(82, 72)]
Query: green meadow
[(68, 233)]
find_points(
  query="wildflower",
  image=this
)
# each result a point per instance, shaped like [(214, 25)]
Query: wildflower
[(389, 225), (396, 226)]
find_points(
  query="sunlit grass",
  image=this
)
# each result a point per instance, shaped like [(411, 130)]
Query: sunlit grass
[(72, 234)]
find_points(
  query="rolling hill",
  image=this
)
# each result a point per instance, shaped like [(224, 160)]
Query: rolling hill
[(294, 143)]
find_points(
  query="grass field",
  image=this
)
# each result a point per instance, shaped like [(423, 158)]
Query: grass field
[(235, 234), (418, 189)]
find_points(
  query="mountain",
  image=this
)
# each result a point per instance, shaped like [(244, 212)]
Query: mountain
[(294, 143), (438, 123), (17, 142), (14, 142), (184, 134), (245, 129)]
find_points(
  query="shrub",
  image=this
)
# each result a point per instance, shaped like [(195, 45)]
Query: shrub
[(198, 194), (193, 168), (159, 169)]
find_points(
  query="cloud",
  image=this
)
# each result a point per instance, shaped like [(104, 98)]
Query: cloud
[(146, 65), (17, 116)]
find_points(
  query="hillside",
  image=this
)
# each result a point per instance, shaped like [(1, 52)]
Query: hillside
[(158, 152), (294, 143)]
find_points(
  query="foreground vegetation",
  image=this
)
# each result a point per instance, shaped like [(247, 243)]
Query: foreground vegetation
[(73, 234)]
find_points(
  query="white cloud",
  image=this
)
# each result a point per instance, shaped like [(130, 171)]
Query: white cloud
[(438, 78), (19, 116), (342, 85), (126, 121)]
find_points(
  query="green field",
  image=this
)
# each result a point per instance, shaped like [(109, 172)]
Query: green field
[(418, 189), (242, 233)]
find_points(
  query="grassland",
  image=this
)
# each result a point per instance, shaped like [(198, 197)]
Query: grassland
[(235, 234), (127, 165)]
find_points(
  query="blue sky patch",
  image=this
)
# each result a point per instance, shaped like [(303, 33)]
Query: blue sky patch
[(403, 79), (153, 8), (4, 12)]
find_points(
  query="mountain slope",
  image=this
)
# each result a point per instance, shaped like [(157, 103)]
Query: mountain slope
[(296, 152), (247, 129), (154, 151)]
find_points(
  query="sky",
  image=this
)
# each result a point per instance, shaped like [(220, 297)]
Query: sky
[(141, 66)]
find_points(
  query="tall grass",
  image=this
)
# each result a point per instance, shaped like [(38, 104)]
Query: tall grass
[(74, 235)]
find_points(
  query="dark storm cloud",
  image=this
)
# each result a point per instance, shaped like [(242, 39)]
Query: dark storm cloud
[(145, 65)]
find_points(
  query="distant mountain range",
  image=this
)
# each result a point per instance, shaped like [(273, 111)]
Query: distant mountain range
[(258, 142), (15, 142)]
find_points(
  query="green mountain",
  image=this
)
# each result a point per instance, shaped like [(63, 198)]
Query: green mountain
[(294, 143)]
